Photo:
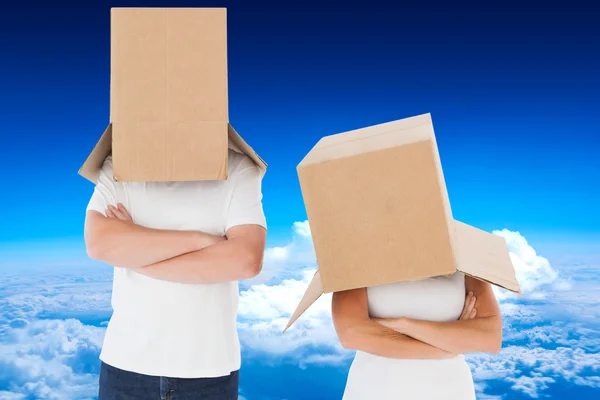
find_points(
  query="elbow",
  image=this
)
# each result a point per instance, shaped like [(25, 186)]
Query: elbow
[(252, 266), (347, 343), (94, 249), (494, 339), (348, 338), (95, 237), (495, 345)]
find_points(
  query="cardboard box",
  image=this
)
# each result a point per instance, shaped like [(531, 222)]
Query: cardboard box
[(379, 213), (169, 116)]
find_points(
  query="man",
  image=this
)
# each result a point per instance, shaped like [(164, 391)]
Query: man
[(178, 250)]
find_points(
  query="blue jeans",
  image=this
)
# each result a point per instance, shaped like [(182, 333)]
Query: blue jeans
[(116, 384)]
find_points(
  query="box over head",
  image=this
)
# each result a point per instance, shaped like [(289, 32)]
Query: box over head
[(379, 213), (169, 116)]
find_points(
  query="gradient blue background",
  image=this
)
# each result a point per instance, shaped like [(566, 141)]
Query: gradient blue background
[(513, 91)]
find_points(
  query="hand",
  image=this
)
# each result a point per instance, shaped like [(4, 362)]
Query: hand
[(206, 240), (469, 311), (119, 212)]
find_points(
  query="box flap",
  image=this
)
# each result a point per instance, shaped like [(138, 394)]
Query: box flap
[(91, 167), (484, 256), (103, 148), (237, 143), (312, 294)]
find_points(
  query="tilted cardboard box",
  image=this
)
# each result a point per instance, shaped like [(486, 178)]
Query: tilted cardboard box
[(379, 213), (169, 116)]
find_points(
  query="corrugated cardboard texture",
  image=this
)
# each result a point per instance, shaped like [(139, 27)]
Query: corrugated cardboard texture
[(312, 294), (169, 105), (376, 206), (484, 256), (173, 152), (91, 167)]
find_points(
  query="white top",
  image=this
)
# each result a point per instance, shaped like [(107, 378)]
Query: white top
[(373, 377), (172, 329)]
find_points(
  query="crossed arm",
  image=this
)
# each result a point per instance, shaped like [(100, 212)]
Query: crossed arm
[(477, 330), (177, 256)]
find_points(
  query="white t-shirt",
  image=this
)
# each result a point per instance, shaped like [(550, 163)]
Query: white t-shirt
[(374, 377), (173, 329)]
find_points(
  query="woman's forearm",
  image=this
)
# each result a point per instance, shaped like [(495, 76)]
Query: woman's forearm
[(462, 336), (378, 340)]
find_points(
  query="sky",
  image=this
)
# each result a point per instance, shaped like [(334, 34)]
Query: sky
[(513, 93)]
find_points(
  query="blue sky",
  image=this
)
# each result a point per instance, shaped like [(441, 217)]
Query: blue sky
[(513, 93)]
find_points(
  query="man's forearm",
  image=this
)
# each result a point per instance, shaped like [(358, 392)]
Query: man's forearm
[(226, 261), (128, 245), (379, 340), (462, 336)]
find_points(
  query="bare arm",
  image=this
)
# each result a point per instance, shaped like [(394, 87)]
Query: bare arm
[(122, 243), (240, 255), (237, 258), (480, 334), (357, 331)]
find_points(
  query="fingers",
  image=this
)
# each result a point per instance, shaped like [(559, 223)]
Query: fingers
[(471, 311), (123, 211), (469, 306), (115, 211), (110, 214), (465, 310), (118, 212)]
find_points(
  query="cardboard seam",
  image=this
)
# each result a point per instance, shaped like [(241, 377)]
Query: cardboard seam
[(492, 276), (145, 121), (386, 132), (503, 284), (166, 83), (317, 150)]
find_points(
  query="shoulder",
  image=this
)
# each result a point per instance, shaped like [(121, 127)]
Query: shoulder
[(241, 164), (105, 173), (107, 165)]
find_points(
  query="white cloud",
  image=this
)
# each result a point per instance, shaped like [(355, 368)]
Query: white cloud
[(533, 271), (6, 395), (265, 310), (52, 359), (531, 385), (302, 228), (288, 261), (44, 354), (530, 369)]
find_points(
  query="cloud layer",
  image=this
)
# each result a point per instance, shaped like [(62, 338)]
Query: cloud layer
[(52, 323)]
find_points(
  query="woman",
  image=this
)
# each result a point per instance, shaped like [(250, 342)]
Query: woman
[(410, 337)]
